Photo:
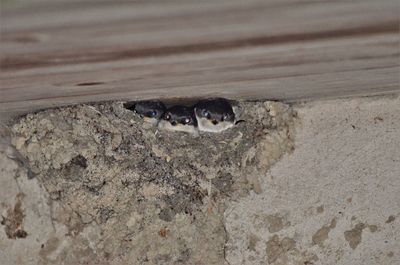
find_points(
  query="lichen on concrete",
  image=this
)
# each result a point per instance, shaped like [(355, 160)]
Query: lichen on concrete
[(353, 236), (126, 193), (13, 220), (322, 234)]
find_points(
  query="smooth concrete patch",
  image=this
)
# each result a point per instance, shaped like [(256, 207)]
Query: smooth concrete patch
[(339, 190)]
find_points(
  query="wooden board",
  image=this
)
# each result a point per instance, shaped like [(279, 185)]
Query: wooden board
[(56, 53)]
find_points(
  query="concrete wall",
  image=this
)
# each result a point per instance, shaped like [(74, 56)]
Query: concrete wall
[(333, 200)]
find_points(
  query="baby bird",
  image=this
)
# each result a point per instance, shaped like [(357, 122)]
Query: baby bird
[(214, 115), (150, 111), (179, 118)]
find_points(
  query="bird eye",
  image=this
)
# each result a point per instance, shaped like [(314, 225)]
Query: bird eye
[(206, 114), (167, 117), (186, 120)]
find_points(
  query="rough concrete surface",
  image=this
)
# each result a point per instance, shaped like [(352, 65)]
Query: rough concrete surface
[(108, 189), (120, 191)]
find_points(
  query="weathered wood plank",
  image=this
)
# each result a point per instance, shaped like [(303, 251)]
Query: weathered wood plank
[(58, 53)]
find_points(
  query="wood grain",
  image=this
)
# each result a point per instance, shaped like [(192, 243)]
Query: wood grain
[(57, 52)]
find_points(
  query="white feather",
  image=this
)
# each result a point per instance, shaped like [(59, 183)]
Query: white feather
[(206, 125), (165, 125)]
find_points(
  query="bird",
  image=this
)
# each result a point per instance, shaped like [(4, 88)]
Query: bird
[(150, 111), (179, 118), (214, 115)]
